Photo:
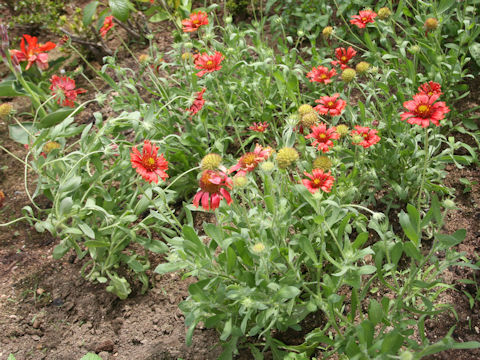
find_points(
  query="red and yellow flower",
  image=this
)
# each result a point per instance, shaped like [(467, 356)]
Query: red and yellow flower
[(424, 109), (249, 161), (208, 63), (330, 105), (364, 17), (321, 74), (214, 185), (318, 180), (343, 57), (323, 137), (430, 88), (63, 89), (364, 136), (33, 52), (107, 25), (195, 20), (197, 103), (260, 127), (148, 164)]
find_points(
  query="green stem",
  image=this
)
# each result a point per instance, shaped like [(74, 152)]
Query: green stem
[(424, 170)]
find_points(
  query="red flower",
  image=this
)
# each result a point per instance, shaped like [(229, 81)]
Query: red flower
[(63, 88), (213, 184), (430, 88), (318, 180), (249, 161), (197, 103), (367, 136), (423, 109), (107, 25), (33, 52), (260, 127), (364, 17), (321, 74), (148, 164), (196, 20), (323, 136), (329, 105), (208, 63), (343, 57)]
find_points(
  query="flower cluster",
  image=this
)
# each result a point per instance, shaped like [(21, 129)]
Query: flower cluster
[(424, 108)]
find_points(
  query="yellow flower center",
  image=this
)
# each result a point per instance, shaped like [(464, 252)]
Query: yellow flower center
[(330, 104), (322, 136), (323, 76), (343, 59), (423, 109), (249, 159), (364, 19), (316, 181), (209, 63)]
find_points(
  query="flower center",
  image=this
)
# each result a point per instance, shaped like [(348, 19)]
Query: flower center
[(209, 64), (364, 19), (196, 21), (330, 104), (149, 163), (344, 59), (322, 136), (249, 160), (423, 110), (316, 181), (207, 185), (323, 76)]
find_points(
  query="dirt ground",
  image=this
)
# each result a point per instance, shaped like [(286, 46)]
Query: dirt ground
[(47, 311)]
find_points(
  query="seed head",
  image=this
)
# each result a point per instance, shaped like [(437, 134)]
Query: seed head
[(267, 166), (322, 163), (431, 24), (144, 58), (309, 119), (384, 13), (187, 56), (286, 156), (50, 146), (305, 109), (5, 110), (240, 181), (348, 75), (362, 67), (211, 162), (415, 49), (342, 130), (327, 32), (258, 248)]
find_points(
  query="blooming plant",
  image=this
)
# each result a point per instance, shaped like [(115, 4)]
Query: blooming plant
[(33, 52), (195, 21), (63, 89)]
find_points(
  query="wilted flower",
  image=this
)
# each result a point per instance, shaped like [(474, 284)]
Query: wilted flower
[(286, 156), (2, 198), (214, 185), (258, 248), (50, 146), (187, 56), (327, 32), (210, 162), (430, 24), (318, 180), (267, 166), (240, 181), (107, 25), (144, 58), (249, 161), (365, 136), (424, 109), (197, 103), (321, 74), (5, 110), (63, 89), (364, 17), (33, 52), (260, 127), (148, 164), (329, 105), (343, 57), (348, 75), (308, 120), (323, 137), (195, 20), (208, 63)]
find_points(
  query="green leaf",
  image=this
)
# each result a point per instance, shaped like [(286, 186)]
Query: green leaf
[(227, 330), (11, 357), (475, 52), (70, 185), (192, 240), (17, 133), (412, 251), (445, 5), (452, 240), (65, 205), (306, 246), (408, 228), (375, 312), (120, 9), (287, 292), (91, 356), (60, 250), (87, 230), (7, 88), (54, 118), (97, 244), (89, 12), (119, 286), (169, 267)]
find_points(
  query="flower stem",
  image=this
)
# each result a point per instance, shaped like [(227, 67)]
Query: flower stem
[(425, 163)]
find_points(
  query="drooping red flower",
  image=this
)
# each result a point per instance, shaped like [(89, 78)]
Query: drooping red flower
[(33, 52), (343, 57), (318, 180), (148, 164), (424, 109), (63, 88), (329, 105), (107, 25), (197, 103), (321, 74), (208, 63), (214, 185), (364, 17), (195, 20), (323, 137), (367, 136), (249, 161), (260, 127), (430, 88)]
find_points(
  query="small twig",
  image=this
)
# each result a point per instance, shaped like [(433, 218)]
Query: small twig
[(129, 30), (87, 43), (99, 38)]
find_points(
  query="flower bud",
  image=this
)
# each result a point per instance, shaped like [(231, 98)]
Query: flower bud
[(309, 119), (414, 49), (5, 110), (406, 355), (362, 67), (210, 162), (431, 24), (286, 156), (327, 32), (342, 130), (304, 109), (384, 13), (228, 20), (449, 204), (322, 163), (258, 248), (300, 33), (267, 166), (240, 181)]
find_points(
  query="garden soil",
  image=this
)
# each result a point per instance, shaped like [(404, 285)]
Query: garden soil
[(47, 310)]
